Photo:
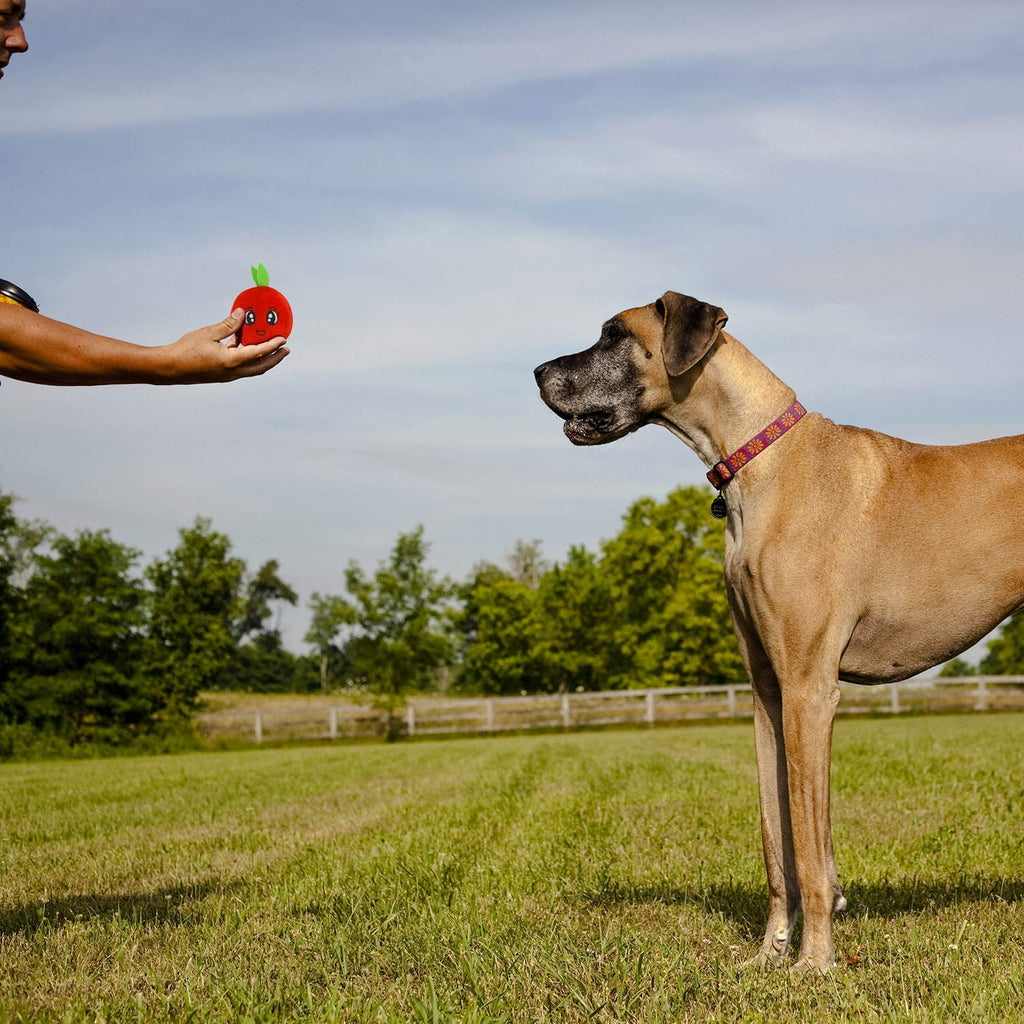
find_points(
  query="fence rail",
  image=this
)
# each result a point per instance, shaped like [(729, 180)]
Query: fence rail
[(433, 716)]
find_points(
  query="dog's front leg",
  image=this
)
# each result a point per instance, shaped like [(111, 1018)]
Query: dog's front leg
[(808, 710), (776, 828)]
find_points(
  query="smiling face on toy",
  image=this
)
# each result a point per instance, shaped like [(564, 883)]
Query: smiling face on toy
[(267, 313)]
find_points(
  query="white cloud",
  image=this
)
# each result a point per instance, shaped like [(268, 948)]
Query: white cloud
[(408, 290), (355, 61)]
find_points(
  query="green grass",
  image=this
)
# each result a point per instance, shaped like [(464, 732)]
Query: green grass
[(608, 876)]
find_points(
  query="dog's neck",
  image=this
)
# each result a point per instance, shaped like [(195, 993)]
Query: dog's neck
[(723, 401)]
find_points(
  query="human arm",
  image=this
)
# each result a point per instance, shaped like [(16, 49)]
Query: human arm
[(42, 351)]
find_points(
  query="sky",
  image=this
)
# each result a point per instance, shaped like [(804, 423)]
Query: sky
[(451, 193)]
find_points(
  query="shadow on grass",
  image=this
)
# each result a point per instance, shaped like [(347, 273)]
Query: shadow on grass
[(172, 903), (747, 906)]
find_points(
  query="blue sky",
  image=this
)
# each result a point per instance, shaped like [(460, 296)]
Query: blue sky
[(451, 193)]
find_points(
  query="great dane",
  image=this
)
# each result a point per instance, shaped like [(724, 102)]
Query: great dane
[(849, 555)]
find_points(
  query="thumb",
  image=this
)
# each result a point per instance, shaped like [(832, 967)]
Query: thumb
[(227, 327)]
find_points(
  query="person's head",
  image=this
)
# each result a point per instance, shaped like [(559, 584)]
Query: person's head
[(12, 35)]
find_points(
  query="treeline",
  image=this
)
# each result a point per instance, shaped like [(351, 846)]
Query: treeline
[(647, 609), (96, 647)]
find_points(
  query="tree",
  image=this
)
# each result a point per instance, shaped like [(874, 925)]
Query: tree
[(19, 540), (649, 610), (526, 563), (958, 667), (263, 665), (667, 594), (194, 611), (501, 634), (575, 610), (77, 639), (259, 591), (8, 592), (395, 625), (1005, 654), (329, 615), (259, 662), (536, 627)]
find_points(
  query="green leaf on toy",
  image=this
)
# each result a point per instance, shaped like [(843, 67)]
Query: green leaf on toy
[(260, 276)]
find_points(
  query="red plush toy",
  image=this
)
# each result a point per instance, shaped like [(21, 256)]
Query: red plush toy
[(267, 313)]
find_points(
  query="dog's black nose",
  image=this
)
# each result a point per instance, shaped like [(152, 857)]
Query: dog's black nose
[(539, 373)]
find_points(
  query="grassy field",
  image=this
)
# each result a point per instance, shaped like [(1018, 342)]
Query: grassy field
[(604, 876)]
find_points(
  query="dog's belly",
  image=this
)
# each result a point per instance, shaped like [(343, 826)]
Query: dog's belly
[(884, 648)]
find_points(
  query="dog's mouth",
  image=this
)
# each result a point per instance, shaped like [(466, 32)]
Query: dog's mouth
[(595, 427)]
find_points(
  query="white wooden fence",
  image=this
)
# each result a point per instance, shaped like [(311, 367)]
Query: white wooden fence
[(430, 715)]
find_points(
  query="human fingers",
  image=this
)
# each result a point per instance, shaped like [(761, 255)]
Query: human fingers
[(261, 348), (250, 367)]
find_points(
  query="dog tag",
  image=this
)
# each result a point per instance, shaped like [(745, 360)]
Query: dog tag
[(718, 509)]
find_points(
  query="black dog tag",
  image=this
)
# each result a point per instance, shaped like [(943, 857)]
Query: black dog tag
[(718, 509)]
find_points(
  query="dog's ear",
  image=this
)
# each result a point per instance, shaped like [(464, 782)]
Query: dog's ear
[(691, 327)]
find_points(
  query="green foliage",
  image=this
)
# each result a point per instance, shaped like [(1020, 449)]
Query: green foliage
[(958, 667), (1005, 654), (77, 640), (8, 593), (87, 645), (258, 593), (671, 615), (263, 666), (329, 615), (574, 606), (394, 626), (91, 656), (19, 540), (649, 610), (502, 635), (195, 605)]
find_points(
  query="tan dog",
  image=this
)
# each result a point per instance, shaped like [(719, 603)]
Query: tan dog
[(849, 555)]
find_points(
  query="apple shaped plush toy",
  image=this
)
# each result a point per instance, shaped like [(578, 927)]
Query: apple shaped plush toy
[(267, 313)]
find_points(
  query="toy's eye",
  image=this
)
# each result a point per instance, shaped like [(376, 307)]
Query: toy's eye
[(250, 317), (272, 317)]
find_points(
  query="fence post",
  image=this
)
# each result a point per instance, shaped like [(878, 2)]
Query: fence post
[(894, 698), (732, 701), (410, 720), (566, 716), (490, 714), (334, 723), (982, 702), (649, 707), (258, 724)]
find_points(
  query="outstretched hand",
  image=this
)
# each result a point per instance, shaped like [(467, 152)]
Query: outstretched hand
[(212, 354)]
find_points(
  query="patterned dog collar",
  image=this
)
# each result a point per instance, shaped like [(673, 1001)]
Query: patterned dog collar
[(724, 471)]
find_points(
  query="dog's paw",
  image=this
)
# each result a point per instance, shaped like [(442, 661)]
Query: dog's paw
[(762, 962), (773, 951), (813, 964)]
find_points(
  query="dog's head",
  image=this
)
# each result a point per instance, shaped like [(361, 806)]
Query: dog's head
[(618, 384)]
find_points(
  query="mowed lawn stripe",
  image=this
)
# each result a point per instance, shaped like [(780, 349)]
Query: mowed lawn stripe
[(601, 876)]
